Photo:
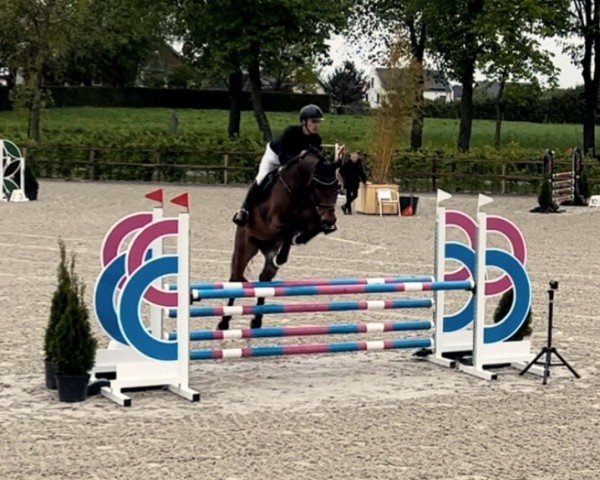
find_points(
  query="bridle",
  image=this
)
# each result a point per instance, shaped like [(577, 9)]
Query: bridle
[(314, 179), (321, 208)]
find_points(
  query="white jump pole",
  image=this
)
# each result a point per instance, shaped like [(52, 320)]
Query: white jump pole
[(480, 276), (439, 272), (156, 313)]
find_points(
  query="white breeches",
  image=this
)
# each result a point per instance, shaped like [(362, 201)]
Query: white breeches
[(268, 163)]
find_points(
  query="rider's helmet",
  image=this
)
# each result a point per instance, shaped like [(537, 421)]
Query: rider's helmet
[(310, 111)]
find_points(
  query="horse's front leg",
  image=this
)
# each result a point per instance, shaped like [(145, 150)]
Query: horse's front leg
[(268, 273), (284, 253), (306, 236)]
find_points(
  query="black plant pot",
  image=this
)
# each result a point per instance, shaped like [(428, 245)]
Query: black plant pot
[(50, 375), (72, 388)]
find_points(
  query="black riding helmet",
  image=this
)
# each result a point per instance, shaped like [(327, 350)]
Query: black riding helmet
[(310, 111)]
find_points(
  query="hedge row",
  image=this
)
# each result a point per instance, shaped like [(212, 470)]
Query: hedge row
[(169, 98), (559, 106)]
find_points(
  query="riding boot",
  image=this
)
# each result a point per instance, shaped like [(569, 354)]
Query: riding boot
[(243, 214)]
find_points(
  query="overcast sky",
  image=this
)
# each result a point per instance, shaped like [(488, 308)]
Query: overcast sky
[(569, 75)]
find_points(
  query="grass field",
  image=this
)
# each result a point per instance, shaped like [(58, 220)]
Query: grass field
[(208, 129)]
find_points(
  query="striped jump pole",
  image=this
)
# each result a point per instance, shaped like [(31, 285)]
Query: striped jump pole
[(275, 291), (309, 282), (313, 348), (305, 330), (307, 307)]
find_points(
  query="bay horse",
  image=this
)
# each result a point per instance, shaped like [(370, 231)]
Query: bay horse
[(300, 205)]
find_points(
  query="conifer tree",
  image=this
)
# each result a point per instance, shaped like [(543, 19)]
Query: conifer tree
[(74, 347), (59, 301)]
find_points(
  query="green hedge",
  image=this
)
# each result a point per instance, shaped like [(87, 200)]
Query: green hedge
[(557, 106), (170, 98)]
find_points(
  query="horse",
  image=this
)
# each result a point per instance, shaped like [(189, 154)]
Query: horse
[(299, 205)]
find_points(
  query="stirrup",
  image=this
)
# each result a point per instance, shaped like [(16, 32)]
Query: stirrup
[(241, 217)]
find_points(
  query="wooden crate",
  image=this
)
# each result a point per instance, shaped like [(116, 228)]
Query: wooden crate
[(366, 201)]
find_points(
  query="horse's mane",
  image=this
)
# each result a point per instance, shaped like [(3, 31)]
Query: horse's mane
[(324, 170)]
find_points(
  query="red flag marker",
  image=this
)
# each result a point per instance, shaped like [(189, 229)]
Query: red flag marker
[(156, 195), (183, 200)]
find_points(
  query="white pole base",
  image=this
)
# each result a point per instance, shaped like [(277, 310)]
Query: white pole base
[(441, 361), (116, 396), (18, 196), (479, 373), (185, 392)]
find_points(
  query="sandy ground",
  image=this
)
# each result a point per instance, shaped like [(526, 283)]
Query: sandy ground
[(364, 415)]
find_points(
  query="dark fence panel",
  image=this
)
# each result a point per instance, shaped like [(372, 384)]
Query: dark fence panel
[(5, 103), (412, 173)]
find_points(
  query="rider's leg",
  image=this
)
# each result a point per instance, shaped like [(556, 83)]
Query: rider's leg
[(243, 214), (268, 163)]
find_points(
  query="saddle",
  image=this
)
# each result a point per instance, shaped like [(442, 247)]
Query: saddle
[(266, 185)]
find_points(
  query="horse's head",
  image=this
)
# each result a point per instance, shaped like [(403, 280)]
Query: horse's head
[(323, 185)]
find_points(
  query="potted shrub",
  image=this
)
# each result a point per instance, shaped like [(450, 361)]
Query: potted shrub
[(390, 123), (502, 309), (73, 347), (57, 310)]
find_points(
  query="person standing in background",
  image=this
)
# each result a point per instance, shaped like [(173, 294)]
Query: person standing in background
[(353, 174)]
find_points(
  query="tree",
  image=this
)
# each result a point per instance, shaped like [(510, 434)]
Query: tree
[(518, 58), (384, 21), (467, 34), (346, 85), (111, 49), (585, 24), (295, 69), (239, 37), (34, 36)]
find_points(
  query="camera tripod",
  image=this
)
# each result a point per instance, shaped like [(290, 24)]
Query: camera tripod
[(548, 350)]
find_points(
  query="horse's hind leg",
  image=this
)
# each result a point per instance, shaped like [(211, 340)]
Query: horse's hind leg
[(268, 273), (243, 252)]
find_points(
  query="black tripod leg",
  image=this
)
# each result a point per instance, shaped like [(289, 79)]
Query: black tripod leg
[(566, 364), (530, 364), (547, 365)]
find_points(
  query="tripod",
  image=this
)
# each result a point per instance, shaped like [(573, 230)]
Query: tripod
[(548, 350)]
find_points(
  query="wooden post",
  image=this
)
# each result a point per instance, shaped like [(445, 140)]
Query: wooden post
[(503, 182), (157, 170), (225, 168), (93, 165), (434, 174)]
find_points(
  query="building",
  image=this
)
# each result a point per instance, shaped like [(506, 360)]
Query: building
[(381, 81)]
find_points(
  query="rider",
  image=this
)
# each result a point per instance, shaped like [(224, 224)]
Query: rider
[(296, 140)]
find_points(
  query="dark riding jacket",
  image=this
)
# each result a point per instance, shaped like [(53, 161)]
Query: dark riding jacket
[(292, 142), (353, 173)]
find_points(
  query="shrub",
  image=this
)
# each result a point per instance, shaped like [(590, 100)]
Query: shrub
[(59, 304), (504, 306), (74, 347), (545, 197)]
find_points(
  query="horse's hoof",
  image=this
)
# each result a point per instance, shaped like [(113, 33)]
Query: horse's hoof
[(255, 323), (278, 262), (223, 326), (241, 217), (295, 239)]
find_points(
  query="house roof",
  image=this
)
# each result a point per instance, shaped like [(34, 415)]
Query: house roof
[(435, 80)]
